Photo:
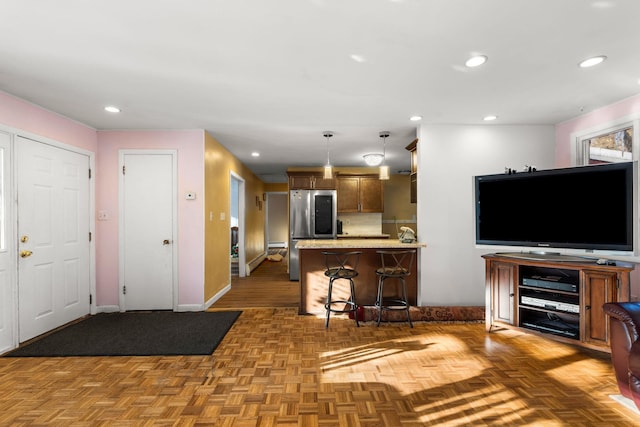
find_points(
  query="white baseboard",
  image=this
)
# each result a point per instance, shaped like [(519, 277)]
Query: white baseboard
[(217, 296), (107, 308), (190, 307), (626, 402), (251, 265), (181, 307)]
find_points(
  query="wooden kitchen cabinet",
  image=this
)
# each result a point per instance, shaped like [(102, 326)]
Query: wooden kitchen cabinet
[(348, 194), (364, 194), (310, 181)]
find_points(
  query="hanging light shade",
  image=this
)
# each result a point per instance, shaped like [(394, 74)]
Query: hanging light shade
[(384, 172), (384, 169), (328, 169), (328, 172)]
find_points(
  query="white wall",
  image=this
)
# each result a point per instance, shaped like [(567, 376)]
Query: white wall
[(451, 269)]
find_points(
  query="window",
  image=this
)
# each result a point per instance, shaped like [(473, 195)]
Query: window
[(611, 143), (611, 147)]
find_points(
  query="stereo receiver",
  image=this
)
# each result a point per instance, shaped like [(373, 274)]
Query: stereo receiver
[(549, 282)]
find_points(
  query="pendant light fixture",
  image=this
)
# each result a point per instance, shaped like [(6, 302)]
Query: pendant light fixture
[(384, 169), (372, 159), (328, 169)]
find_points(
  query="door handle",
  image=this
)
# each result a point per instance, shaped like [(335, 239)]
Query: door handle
[(25, 254), (166, 242)]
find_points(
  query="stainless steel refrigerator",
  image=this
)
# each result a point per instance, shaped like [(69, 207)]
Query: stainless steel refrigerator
[(312, 215)]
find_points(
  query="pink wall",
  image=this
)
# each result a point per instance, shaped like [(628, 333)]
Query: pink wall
[(190, 147), (22, 115), (595, 118)]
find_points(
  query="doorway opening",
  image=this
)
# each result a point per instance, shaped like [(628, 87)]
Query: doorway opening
[(237, 227), (277, 226)]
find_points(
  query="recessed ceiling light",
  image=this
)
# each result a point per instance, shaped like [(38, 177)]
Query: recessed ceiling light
[(358, 58), (111, 109), (476, 61), (602, 5), (415, 118), (590, 62), (490, 118), (255, 154)]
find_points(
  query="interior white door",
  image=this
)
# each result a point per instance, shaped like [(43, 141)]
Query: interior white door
[(147, 230), (53, 233), (8, 301)]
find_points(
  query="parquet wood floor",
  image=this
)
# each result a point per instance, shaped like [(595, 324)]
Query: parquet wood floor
[(276, 368)]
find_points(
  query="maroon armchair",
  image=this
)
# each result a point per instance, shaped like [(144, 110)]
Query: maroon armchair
[(624, 328)]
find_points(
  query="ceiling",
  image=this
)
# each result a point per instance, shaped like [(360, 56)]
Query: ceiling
[(272, 76)]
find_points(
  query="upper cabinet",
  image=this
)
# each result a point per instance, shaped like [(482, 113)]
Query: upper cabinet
[(310, 181), (413, 150), (363, 194)]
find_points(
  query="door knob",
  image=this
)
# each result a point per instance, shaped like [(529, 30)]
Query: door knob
[(25, 254), (166, 242)]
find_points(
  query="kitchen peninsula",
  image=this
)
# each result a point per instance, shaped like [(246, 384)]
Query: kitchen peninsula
[(313, 282)]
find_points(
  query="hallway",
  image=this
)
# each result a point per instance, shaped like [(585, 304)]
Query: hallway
[(268, 286)]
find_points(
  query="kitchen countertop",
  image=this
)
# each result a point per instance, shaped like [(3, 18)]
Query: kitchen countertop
[(362, 236), (356, 243)]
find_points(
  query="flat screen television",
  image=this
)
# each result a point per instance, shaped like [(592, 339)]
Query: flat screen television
[(586, 207)]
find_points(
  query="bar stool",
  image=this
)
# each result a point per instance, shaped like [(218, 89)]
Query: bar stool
[(396, 264), (341, 265)]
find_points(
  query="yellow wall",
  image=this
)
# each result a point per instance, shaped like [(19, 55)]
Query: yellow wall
[(219, 163), (278, 187), (397, 205)]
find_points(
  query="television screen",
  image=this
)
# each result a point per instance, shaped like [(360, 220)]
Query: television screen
[(588, 207)]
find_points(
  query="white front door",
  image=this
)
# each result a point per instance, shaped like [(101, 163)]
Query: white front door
[(53, 233), (147, 235), (8, 301)]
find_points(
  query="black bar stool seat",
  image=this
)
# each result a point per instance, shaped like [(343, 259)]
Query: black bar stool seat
[(395, 264), (341, 265)]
